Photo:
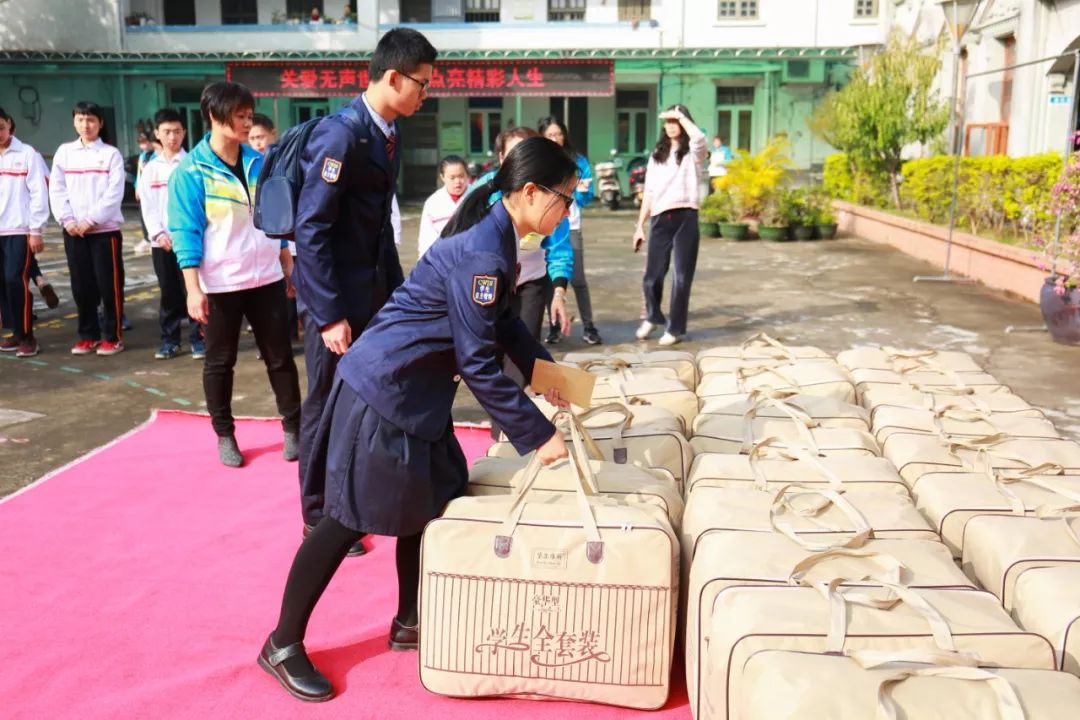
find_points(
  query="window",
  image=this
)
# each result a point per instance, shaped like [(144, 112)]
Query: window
[(566, 10), (239, 12), (301, 9), (180, 12), (866, 8), (485, 124), (734, 96), (735, 116), (482, 10), (631, 10), (737, 9), (632, 121), (304, 110)]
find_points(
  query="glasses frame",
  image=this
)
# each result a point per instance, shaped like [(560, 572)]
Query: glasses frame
[(424, 84), (568, 199)]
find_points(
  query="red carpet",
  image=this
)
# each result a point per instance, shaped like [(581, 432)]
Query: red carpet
[(141, 581)]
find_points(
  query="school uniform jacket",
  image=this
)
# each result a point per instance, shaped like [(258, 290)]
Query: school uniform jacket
[(24, 193), (87, 183), (346, 260), (452, 317), (438, 209), (154, 193)]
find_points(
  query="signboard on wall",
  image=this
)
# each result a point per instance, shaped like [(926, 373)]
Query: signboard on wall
[(451, 78)]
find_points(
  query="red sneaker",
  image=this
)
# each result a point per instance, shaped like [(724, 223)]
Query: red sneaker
[(85, 347), (110, 348), (9, 344), (27, 348)]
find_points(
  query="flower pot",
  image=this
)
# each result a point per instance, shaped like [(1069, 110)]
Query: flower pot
[(1061, 313), (826, 231), (709, 229), (802, 232), (778, 233), (735, 231)]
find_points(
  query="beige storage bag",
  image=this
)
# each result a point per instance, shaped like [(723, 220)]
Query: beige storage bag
[(896, 360), (629, 389), (620, 442), (925, 380), (731, 434), (767, 470), (1003, 402), (683, 363), (918, 454), (629, 483), (820, 378), (826, 412), (621, 369), (998, 549), (950, 500), (786, 685), (828, 618), (1048, 603), (644, 414), (758, 347), (959, 421), (549, 597), (728, 559)]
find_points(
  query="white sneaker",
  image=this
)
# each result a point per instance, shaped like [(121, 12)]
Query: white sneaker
[(668, 339), (644, 330)]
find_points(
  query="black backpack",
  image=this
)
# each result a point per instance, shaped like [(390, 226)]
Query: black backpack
[(281, 178)]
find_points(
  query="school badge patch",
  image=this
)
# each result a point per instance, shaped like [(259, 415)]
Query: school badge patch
[(331, 170), (484, 289)]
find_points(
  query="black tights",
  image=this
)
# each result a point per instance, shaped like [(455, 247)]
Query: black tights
[(316, 561)]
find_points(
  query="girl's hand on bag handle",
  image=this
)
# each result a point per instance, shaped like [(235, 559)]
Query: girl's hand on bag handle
[(554, 398), (554, 449)]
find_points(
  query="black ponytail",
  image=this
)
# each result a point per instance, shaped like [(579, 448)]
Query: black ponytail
[(535, 159)]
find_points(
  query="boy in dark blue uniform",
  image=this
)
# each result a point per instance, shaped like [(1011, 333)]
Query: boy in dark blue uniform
[(346, 261), (386, 444)]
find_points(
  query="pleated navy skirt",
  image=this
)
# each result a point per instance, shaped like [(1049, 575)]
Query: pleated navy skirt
[(379, 478)]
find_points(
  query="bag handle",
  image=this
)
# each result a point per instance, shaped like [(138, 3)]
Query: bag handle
[(757, 454), (1009, 706), (801, 421), (744, 373), (604, 362), (839, 601), (619, 452), (1031, 476), (763, 340), (782, 503), (584, 487), (889, 569)]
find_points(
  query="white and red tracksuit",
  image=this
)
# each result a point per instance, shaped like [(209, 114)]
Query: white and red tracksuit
[(24, 211), (87, 184)]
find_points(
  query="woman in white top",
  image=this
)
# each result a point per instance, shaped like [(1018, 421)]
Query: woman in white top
[(442, 203), (671, 204)]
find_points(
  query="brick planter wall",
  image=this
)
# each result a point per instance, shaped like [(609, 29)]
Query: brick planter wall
[(1003, 267)]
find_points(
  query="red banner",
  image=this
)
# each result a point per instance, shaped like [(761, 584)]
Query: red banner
[(466, 78)]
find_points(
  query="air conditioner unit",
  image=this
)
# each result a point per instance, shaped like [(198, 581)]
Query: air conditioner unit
[(805, 72)]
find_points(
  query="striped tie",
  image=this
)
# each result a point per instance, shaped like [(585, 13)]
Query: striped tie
[(391, 146)]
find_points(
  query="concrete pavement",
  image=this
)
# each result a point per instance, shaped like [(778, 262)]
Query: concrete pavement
[(834, 294)]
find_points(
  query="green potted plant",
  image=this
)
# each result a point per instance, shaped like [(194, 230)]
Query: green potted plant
[(715, 208), (799, 214), (752, 179), (824, 216), (773, 225)]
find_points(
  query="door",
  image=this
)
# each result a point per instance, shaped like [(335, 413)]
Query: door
[(574, 113), (186, 101), (420, 152), (735, 116), (304, 110)]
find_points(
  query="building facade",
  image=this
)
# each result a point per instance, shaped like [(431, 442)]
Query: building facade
[(1015, 69), (746, 69)]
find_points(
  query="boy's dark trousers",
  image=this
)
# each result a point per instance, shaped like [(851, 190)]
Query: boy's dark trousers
[(16, 308), (173, 308), (96, 264)]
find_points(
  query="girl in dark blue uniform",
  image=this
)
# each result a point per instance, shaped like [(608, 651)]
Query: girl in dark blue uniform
[(386, 443)]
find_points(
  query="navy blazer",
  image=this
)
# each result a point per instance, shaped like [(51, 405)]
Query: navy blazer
[(452, 317), (346, 261)]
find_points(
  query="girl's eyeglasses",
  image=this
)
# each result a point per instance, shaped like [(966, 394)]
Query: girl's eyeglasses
[(568, 199)]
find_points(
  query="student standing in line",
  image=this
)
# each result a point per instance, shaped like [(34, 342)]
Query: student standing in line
[(86, 189), (347, 262), (231, 269), (154, 201), (671, 205), (24, 212), (442, 203), (263, 134), (386, 443), (553, 129)]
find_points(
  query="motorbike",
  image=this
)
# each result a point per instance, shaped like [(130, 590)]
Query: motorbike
[(608, 187), (475, 169), (636, 170)]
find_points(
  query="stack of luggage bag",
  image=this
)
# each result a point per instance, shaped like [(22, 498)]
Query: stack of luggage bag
[(886, 533)]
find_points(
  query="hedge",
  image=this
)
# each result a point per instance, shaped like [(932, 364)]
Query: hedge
[(996, 193)]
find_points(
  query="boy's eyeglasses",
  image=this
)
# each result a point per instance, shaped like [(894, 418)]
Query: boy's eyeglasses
[(422, 83), (568, 199)]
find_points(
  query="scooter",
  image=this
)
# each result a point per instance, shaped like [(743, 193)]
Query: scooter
[(607, 182), (636, 169)]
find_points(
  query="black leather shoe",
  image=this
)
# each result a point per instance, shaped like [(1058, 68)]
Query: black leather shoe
[(355, 550), (404, 637), (312, 687)]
